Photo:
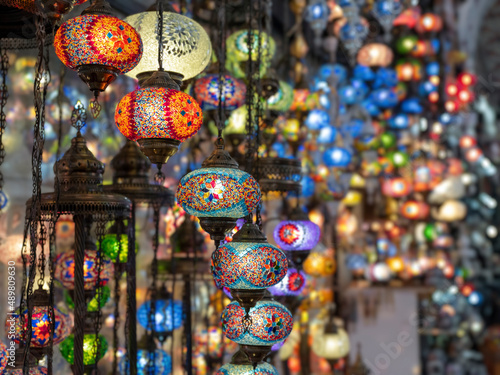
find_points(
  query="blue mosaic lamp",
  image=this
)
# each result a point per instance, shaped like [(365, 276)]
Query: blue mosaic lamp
[(162, 362), (248, 265), (241, 365), (167, 317), (218, 193), (270, 323)]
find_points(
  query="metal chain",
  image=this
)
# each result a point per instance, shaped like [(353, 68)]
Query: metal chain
[(36, 168), (41, 256), (159, 5), (221, 19), (51, 314), (250, 89), (117, 274), (4, 94), (259, 103), (100, 230)]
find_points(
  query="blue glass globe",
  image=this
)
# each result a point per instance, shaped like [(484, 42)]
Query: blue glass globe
[(363, 72), (400, 121), (348, 95), (353, 128), (337, 157), (384, 98), (307, 185), (355, 262), (432, 68), (327, 70), (411, 106), (162, 362), (370, 107), (425, 88), (168, 316), (445, 118), (317, 119), (327, 135), (385, 77), (361, 87)]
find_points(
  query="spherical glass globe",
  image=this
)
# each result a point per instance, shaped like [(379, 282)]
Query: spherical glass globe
[(167, 316), (91, 345), (187, 48), (162, 366), (262, 368), (207, 90), (334, 345), (3, 356), (292, 284), (293, 235)]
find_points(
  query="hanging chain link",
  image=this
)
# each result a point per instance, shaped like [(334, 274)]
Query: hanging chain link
[(221, 19), (100, 230), (116, 324), (259, 104), (250, 91), (4, 94)]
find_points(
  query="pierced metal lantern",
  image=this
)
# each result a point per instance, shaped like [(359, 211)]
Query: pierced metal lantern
[(247, 265), (159, 117), (98, 45), (271, 323), (218, 193), (279, 174)]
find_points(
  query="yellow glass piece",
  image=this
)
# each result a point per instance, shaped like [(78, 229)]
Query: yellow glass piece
[(187, 48)]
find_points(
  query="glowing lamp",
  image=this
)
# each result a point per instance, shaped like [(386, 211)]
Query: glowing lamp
[(65, 270), (415, 210), (396, 187), (93, 346), (467, 141), (379, 272), (467, 79), (451, 89), (375, 54), (271, 323), (168, 315), (98, 46), (451, 106), (41, 326), (399, 158), (332, 344), (116, 250), (292, 284), (296, 235), (337, 157), (435, 80), (429, 22), (158, 117), (282, 100), (100, 299), (396, 264), (241, 365), (248, 264), (475, 298), (399, 121), (317, 264), (207, 91), (186, 45), (317, 119), (467, 290), (162, 362), (465, 96), (4, 354), (473, 154), (406, 44), (405, 71), (451, 210), (433, 97)]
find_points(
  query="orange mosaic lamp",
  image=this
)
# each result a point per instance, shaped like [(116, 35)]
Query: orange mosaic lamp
[(159, 117), (98, 45)]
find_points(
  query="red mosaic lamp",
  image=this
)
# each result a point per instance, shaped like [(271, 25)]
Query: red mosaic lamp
[(99, 46)]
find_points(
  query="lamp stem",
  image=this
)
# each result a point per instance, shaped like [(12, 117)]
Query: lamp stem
[(80, 303), (187, 326), (131, 291)]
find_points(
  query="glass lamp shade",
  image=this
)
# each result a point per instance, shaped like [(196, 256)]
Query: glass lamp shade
[(116, 250), (187, 48), (282, 100), (218, 192), (451, 210), (39, 370), (331, 345), (103, 296), (396, 187), (158, 112), (162, 366), (206, 91), (168, 316), (65, 270), (304, 100), (238, 46), (294, 235), (247, 265), (92, 39), (415, 210), (337, 157), (92, 345), (292, 284), (40, 326), (317, 119), (375, 54), (213, 342), (262, 368), (379, 272), (4, 354), (271, 323)]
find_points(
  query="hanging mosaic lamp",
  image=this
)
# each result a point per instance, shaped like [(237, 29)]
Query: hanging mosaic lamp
[(332, 343), (186, 45), (248, 265), (4, 354), (271, 323), (162, 360), (206, 91), (241, 365), (282, 100), (292, 284), (298, 235), (103, 294), (218, 193), (159, 117), (38, 370), (98, 45), (116, 249), (93, 346), (40, 322), (168, 316)]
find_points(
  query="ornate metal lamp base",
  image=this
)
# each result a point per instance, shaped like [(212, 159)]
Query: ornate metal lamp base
[(217, 227), (247, 298), (256, 353), (159, 150), (299, 257), (97, 77), (279, 174)]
